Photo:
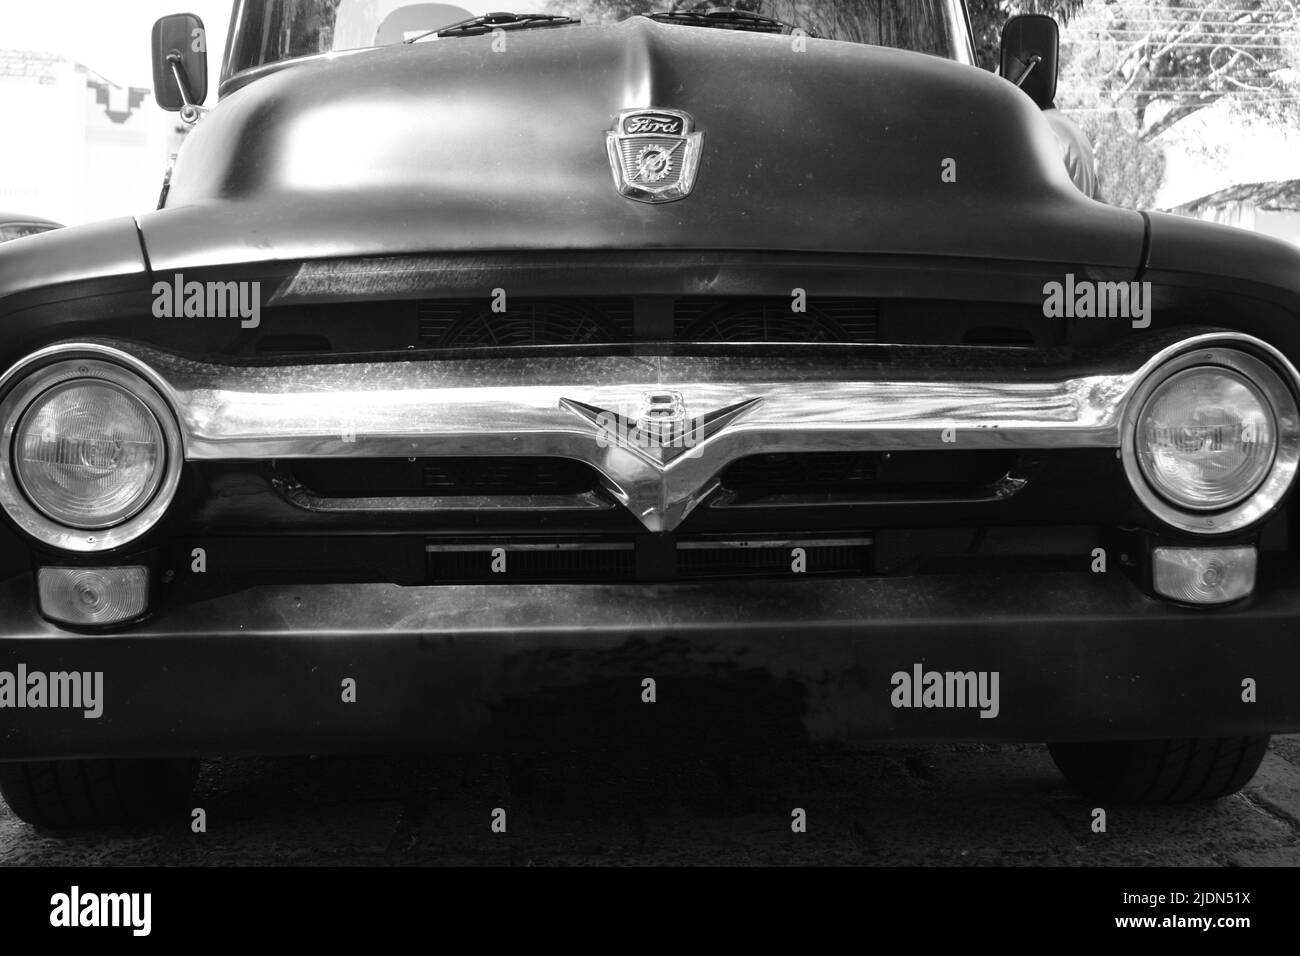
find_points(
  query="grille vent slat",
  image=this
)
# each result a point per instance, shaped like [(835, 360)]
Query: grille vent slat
[(763, 319), (928, 475), (838, 558), (505, 475), (471, 323)]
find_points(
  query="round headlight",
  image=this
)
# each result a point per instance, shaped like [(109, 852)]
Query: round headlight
[(1211, 435), (90, 449), (1206, 438), (88, 454)]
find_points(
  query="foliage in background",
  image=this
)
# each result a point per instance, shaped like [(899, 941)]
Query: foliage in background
[(1162, 61), (1129, 171)]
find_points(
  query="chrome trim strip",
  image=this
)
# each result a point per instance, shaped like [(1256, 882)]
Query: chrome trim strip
[(871, 398)]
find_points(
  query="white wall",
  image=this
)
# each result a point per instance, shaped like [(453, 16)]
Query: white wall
[(60, 157)]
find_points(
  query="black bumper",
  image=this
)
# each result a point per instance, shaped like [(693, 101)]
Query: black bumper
[(1079, 656)]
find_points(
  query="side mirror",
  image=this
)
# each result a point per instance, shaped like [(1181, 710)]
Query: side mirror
[(180, 64), (1030, 48)]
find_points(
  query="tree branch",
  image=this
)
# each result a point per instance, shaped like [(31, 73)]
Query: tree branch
[(1175, 115)]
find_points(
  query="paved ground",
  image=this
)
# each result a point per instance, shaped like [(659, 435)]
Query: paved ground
[(952, 804)]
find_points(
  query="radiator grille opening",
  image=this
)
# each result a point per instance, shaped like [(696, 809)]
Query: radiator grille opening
[(760, 319), (866, 475), (485, 476), (1003, 336), (471, 323), (747, 558), (292, 344)]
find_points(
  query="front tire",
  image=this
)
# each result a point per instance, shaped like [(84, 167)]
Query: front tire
[(1181, 770), (76, 793)]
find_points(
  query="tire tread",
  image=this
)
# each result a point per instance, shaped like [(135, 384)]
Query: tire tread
[(1176, 770), (71, 793)]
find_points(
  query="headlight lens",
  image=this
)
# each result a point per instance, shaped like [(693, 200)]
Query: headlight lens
[(88, 454), (1206, 438)]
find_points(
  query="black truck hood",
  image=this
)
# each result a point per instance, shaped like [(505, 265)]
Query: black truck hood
[(451, 147)]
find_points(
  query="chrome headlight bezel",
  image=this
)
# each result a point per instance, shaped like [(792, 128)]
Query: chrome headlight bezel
[(1270, 374), (54, 367)]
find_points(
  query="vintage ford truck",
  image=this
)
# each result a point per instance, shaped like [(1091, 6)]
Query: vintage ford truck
[(497, 379)]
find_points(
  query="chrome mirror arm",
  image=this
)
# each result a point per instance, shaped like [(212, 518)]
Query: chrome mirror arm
[(1029, 68), (191, 112)]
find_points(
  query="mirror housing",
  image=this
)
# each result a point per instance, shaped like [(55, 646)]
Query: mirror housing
[(180, 64), (1030, 56)]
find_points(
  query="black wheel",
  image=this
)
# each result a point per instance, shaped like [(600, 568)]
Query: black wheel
[(1184, 770), (74, 793)]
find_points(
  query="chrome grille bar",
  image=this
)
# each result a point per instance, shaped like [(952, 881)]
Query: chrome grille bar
[(835, 398)]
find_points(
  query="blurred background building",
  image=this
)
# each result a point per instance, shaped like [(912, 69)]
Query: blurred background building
[(1271, 208), (80, 135), (109, 140)]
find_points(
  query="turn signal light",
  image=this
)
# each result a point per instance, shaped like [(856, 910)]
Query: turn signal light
[(1204, 575), (91, 596)]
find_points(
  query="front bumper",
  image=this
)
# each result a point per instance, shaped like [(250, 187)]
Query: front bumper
[(1079, 656)]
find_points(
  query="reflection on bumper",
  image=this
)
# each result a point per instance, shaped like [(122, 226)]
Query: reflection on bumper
[(1080, 656)]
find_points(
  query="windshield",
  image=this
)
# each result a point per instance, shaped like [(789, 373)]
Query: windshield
[(17, 230), (268, 31)]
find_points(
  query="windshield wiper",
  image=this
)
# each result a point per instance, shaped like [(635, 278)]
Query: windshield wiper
[(727, 18), (488, 22)]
